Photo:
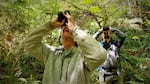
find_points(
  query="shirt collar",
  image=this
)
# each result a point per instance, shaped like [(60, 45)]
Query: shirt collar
[(68, 52)]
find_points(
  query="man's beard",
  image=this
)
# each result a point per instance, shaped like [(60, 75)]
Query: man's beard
[(67, 39)]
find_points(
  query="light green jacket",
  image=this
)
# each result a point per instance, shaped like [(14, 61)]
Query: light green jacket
[(66, 67)]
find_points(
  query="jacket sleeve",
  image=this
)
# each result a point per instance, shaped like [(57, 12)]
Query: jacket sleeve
[(33, 42), (121, 36), (97, 34), (94, 55)]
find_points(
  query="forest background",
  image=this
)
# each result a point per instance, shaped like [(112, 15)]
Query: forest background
[(20, 17)]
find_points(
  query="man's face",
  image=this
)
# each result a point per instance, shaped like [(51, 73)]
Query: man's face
[(67, 39)]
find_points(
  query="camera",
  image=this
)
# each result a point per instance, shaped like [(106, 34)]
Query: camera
[(61, 16)]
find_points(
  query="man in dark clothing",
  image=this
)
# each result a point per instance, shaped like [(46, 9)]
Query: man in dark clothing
[(108, 72)]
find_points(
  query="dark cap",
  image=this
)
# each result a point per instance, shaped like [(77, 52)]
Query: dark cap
[(105, 28)]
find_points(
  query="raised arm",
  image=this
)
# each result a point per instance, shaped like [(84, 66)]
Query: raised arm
[(97, 34), (121, 36), (94, 54), (33, 42)]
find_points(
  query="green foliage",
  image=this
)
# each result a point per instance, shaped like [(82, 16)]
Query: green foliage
[(30, 13), (144, 4), (94, 9), (134, 65), (87, 1), (53, 38), (23, 16), (94, 77), (133, 68), (133, 54)]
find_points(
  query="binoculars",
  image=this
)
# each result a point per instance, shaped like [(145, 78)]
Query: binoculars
[(61, 16), (107, 33)]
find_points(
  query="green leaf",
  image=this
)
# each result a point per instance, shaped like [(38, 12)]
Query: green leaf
[(135, 37), (94, 9), (87, 1)]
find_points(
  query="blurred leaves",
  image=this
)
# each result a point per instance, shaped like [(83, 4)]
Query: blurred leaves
[(94, 9), (23, 16), (87, 1)]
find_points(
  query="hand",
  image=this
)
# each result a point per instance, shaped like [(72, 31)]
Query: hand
[(55, 23), (71, 22), (112, 29)]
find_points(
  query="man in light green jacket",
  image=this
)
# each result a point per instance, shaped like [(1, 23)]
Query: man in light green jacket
[(70, 64)]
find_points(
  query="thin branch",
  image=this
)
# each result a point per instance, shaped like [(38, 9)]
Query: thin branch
[(87, 11)]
